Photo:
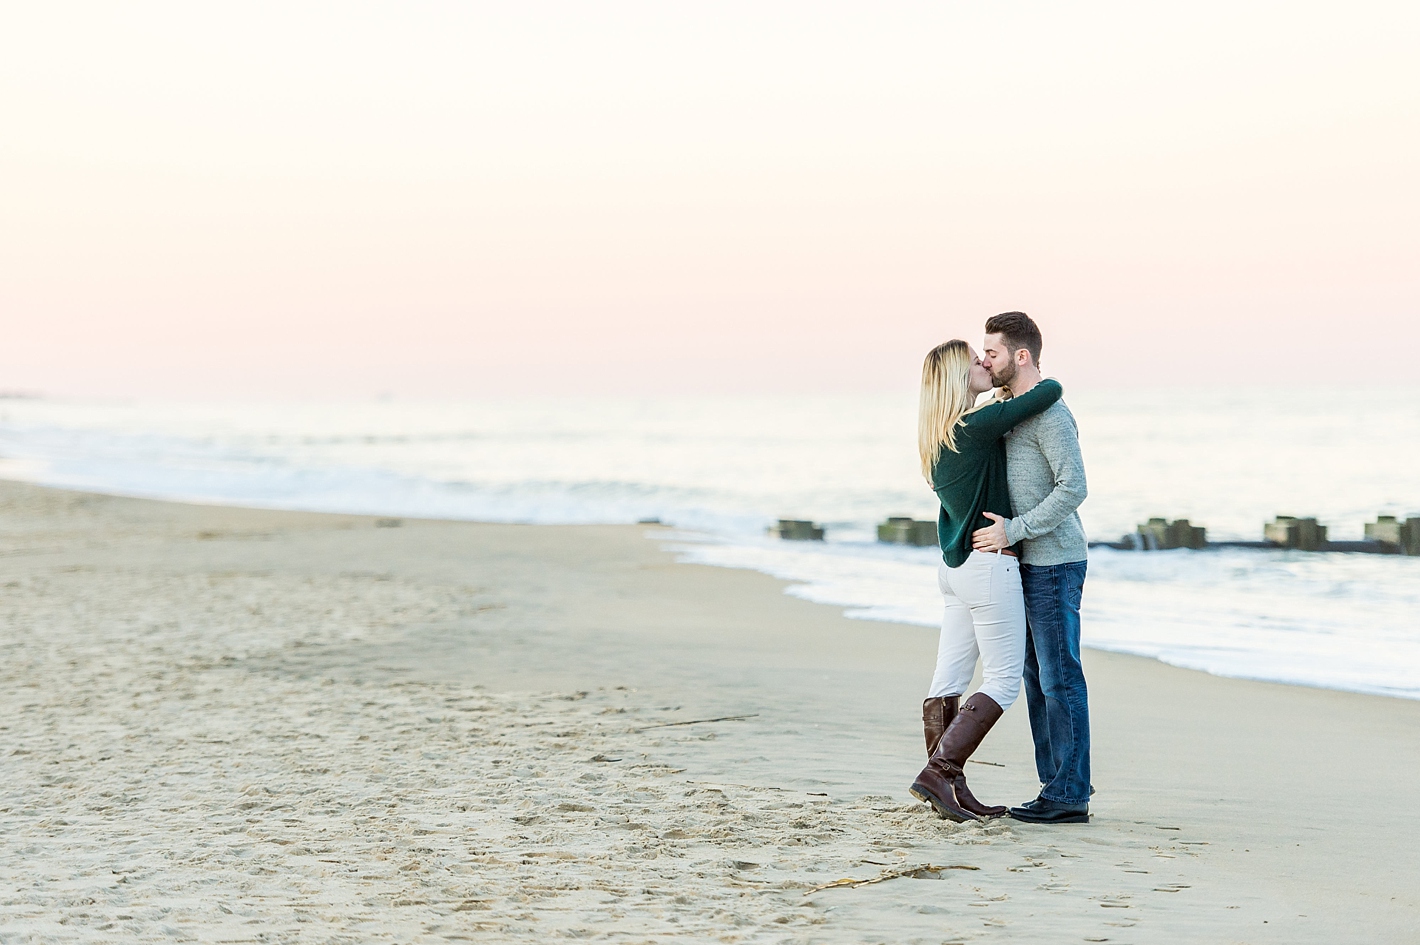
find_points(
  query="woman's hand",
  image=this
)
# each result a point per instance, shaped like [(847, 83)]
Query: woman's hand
[(992, 538)]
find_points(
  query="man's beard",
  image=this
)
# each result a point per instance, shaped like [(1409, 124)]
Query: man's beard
[(1005, 375)]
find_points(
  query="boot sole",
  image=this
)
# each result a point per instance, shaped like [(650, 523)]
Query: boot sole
[(945, 810)]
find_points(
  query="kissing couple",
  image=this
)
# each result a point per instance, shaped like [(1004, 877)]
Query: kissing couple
[(1010, 477)]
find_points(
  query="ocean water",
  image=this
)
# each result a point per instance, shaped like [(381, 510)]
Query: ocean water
[(720, 469)]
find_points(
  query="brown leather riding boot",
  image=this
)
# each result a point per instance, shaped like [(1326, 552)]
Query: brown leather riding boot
[(943, 783), (969, 802), (937, 714), (990, 713)]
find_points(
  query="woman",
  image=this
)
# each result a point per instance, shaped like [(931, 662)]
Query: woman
[(984, 614)]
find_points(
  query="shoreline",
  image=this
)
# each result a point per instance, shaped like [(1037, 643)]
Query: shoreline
[(685, 543), (190, 686)]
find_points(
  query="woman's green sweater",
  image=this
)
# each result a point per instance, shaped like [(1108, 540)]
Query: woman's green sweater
[(972, 480)]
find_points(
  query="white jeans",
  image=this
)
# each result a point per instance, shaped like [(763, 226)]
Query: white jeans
[(983, 614)]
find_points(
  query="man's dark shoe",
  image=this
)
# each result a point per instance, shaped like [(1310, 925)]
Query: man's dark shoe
[(1042, 811), (1031, 805)]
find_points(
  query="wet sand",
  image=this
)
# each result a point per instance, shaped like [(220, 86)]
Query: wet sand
[(229, 725)]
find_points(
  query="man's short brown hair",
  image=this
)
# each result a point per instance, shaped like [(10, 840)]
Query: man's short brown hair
[(1017, 331)]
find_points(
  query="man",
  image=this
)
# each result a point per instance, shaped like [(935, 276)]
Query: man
[(1047, 478)]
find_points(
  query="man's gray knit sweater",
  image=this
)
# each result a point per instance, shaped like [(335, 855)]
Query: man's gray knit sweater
[(1047, 477)]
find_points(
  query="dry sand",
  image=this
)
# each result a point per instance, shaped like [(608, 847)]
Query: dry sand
[(227, 725)]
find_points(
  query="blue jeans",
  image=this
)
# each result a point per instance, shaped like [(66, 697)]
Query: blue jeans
[(1056, 698)]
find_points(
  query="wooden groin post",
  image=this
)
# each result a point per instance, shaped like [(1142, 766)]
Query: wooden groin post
[(1302, 534), (902, 530), (1159, 534), (796, 530), (1396, 536)]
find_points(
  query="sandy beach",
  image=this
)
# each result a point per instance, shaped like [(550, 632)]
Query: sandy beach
[(228, 725)]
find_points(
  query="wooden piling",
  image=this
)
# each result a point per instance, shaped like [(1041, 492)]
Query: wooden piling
[(1400, 537), (796, 530), (1159, 534), (901, 530), (1303, 534)]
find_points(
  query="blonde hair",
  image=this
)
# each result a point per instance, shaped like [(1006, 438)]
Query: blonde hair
[(945, 399)]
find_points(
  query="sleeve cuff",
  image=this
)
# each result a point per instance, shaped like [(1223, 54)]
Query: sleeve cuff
[(1015, 531)]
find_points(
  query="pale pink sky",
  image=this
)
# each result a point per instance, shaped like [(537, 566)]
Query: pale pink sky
[(333, 200)]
